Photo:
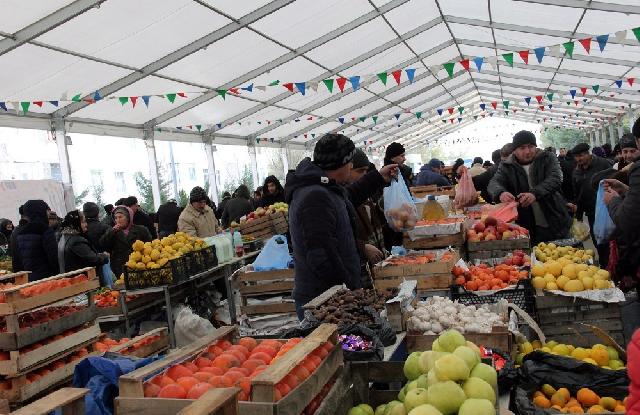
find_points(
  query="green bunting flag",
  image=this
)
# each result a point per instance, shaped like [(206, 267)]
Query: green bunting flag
[(329, 84), (506, 104), (449, 67), (274, 83), (76, 98), (383, 77), (550, 96), (460, 109), (222, 93), (636, 32), (25, 106), (419, 114), (568, 47), (595, 88), (509, 58), (198, 127), (171, 97), (375, 119), (362, 119), (123, 100)]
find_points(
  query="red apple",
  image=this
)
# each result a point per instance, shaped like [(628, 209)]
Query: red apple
[(478, 226), (508, 261), (490, 229), (517, 260), (490, 237), (491, 221)]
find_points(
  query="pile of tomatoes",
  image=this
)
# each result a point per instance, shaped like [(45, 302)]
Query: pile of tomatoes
[(50, 285), (107, 344), (483, 277)]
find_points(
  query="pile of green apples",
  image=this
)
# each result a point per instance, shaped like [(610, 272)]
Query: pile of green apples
[(449, 379)]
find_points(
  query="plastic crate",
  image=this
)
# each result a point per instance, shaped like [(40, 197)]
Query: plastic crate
[(175, 271), (202, 260), (522, 295)]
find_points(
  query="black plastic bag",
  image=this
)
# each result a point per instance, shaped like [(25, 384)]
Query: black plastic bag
[(508, 374), (307, 325), (376, 353), (381, 327)]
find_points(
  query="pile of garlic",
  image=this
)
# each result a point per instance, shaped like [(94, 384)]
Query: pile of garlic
[(438, 314)]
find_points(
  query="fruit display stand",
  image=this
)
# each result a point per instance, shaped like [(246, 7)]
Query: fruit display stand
[(68, 400), (420, 192), (261, 285), (263, 386), (215, 402)]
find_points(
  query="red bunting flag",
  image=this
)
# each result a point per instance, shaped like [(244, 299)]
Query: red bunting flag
[(451, 119), (133, 101), (232, 90), (583, 90), (289, 86), (182, 94), (539, 98), (630, 80), (450, 110), (396, 75), (524, 55), (494, 104), (586, 44), (465, 64), (541, 107), (575, 102), (341, 82), (38, 103)]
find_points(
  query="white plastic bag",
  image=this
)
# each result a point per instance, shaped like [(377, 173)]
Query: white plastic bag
[(190, 327), (399, 208)]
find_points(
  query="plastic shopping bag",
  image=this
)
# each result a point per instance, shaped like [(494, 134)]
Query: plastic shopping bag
[(274, 255), (507, 212), (399, 208), (107, 276), (466, 194), (603, 226), (580, 230)]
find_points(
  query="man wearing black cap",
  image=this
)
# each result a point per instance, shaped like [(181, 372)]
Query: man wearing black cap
[(140, 217), (533, 178), (322, 217), (197, 218), (36, 248), (168, 215), (95, 228), (395, 154), (430, 174)]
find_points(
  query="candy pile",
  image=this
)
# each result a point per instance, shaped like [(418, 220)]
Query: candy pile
[(354, 343)]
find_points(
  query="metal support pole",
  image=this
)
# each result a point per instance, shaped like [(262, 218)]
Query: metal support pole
[(254, 167), (596, 138), (620, 130), (284, 152), (153, 166), (632, 116), (603, 131), (612, 135), (174, 175), (59, 133), (211, 168)]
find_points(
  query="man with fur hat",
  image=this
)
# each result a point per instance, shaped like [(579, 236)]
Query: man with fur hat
[(395, 154), (36, 248), (197, 218), (533, 178), (322, 217)]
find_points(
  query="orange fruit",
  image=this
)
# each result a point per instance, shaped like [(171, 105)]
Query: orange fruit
[(257, 371), (216, 371), (234, 376), (266, 359), (202, 362), (596, 409), (283, 388), (558, 400), (173, 391), (587, 397), (249, 342), (214, 350), (178, 371), (270, 342), (291, 381), (237, 354), (223, 361), (5, 385), (565, 393), (243, 370), (315, 359), (270, 350), (198, 390), (541, 402), (309, 364), (301, 372), (187, 382), (166, 380), (191, 366), (203, 376), (241, 348), (151, 390), (320, 352), (252, 364), (221, 382), (245, 385), (223, 344), (601, 356)]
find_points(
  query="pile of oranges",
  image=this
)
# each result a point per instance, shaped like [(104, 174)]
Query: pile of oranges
[(48, 286), (107, 344), (483, 277), (586, 401), (225, 365)]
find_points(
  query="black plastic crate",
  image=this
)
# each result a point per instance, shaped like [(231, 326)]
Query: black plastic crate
[(174, 272), (202, 260), (522, 295)]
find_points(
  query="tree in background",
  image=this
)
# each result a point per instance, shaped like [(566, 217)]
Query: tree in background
[(96, 194), (276, 166), (562, 137), (79, 199), (183, 198), (245, 177), (145, 190)]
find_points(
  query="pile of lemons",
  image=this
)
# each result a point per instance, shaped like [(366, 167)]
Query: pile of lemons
[(570, 277), (156, 254), (600, 355), (551, 252)]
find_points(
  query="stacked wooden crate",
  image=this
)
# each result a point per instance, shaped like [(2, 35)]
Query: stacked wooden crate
[(496, 249), (266, 226), (266, 285)]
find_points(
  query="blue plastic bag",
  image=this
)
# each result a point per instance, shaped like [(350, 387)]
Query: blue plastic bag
[(399, 207), (603, 226), (107, 275), (274, 255)]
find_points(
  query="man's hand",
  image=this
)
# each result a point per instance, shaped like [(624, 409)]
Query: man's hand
[(507, 197), (609, 195), (526, 199), (373, 254), (572, 208), (388, 172), (116, 227), (616, 186)]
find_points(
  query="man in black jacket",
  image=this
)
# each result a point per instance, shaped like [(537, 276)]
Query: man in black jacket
[(322, 217), (140, 217), (532, 177), (168, 215), (481, 181), (95, 228), (395, 154)]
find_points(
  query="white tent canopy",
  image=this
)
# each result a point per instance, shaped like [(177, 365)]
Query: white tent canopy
[(104, 52)]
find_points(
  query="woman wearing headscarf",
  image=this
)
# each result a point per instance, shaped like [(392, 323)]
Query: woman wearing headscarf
[(455, 171), (36, 247), (74, 249), (119, 239), (272, 192), (6, 228)]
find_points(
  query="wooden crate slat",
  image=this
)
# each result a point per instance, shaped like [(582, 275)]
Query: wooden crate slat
[(29, 303), (273, 308), (19, 278), (501, 245), (158, 345), (213, 401), (499, 340), (436, 241), (277, 274), (322, 298), (424, 283), (58, 399), (274, 287)]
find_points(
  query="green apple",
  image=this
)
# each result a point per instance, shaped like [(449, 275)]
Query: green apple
[(415, 397), (411, 369), (425, 410)]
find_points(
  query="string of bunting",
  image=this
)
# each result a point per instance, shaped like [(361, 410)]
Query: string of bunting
[(340, 82)]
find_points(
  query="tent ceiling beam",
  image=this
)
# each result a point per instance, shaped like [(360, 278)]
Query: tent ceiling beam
[(591, 5), (179, 54), (46, 24), (276, 62)]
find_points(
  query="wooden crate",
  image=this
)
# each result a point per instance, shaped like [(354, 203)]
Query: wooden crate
[(429, 282), (500, 338), (132, 401), (13, 340), (499, 253), (17, 278), (280, 223), (139, 301), (435, 241), (20, 362), (435, 267), (262, 284), (422, 191), (159, 345), (69, 400), (501, 245), (15, 303), (214, 402)]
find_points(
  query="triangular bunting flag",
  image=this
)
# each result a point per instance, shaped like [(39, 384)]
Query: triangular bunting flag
[(341, 119), (375, 119), (198, 127), (396, 75), (573, 93), (411, 72), (450, 110), (459, 120), (341, 82), (619, 83), (355, 82), (444, 121), (554, 50), (76, 98), (630, 81), (289, 86), (524, 55), (539, 54), (527, 100), (478, 61), (550, 106), (583, 90), (505, 104), (550, 96), (312, 86), (302, 87), (274, 83), (449, 68), (97, 96), (494, 104), (460, 109), (595, 88), (25, 106), (248, 88), (383, 77), (231, 90), (419, 114), (586, 44), (451, 120), (123, 100), (621, 36), (539, 98), (223, 93), (439, 111), (219, 125), (38, 103), (602, 41), (636, 33), (475, 117), (183, 95), (397, 116), (465, 63), (329, 84), (362, 119), (134, 100), (145, 99), (482, 107), (541, 107), (3, 106), (575, 102), (171, 97), (568, 47), (509, 58)]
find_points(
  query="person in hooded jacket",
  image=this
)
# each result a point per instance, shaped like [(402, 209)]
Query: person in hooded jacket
[(226, 197), (6, 229), (95, 228), (119, 239), (322, 217), (168, 215), (36, 247), (533, 178), (239, 206), (272, 192), (108, 218), (74, 250)]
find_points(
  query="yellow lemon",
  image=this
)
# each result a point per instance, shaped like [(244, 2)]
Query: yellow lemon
[(583, 274), (147, 250), (561, 281), (536, 344), (146, 259), (582, 267), (138, 245), (579, 353), (135, 256), (141, 266), (561, 349), (588, 283), (574, 286), (551, 286), (526, 347), (538, 270), (131, 264), (554, 268), (155, 254), (569, 271), (601, 284)]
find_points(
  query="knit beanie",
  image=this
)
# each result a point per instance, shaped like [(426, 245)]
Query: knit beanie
[(360, 159), (628, 141), (522, 138), (333, 151), (580, 148), (72, 220), (36, 210), (197, 195), (90, 210), (394, 150)]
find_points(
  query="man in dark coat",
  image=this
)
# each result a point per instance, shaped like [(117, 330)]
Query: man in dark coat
[(108, 219), (95, 228), (36, 248), (430, 174), (226, 197), (481, 181), (239, 206), (395, 154), (16, 231), (140, 217), (532, 177), (168, 215), (322, 218)]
